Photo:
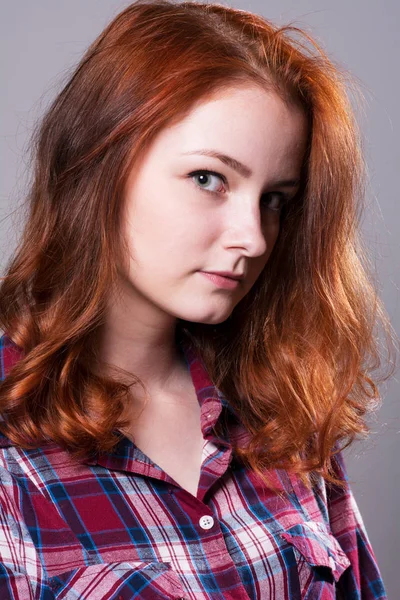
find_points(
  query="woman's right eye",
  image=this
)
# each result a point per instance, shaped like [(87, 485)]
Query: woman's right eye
[(204, 179)]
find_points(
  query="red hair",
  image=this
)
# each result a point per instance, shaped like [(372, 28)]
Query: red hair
[(298, 358)]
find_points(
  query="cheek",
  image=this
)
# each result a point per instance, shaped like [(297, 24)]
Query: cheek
[(165, 249)]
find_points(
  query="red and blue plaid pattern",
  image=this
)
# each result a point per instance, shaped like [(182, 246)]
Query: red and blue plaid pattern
[(119, 527)]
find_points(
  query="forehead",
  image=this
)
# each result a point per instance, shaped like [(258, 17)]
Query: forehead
[(246, 103), (248, 122)]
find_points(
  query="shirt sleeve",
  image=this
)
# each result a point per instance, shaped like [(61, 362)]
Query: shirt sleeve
[(22, 575), (363, 580)]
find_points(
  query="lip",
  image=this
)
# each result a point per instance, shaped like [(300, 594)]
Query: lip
[(221, 280), (227, 274)]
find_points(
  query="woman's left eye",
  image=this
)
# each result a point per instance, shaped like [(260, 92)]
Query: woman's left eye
[(205, 177), (276, 199)]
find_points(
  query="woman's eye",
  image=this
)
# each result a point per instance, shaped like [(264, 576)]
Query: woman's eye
[(274, 201), (208, 181)]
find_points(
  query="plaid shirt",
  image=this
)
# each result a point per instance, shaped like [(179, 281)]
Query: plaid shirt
[(119, 527)]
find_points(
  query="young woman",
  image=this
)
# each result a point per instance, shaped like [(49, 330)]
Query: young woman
[(188, 323)]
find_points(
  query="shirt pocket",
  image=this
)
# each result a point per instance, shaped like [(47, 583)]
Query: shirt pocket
[(119, 581), (319, 557)]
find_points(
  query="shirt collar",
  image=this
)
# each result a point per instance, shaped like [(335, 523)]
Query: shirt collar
[(201, 380)]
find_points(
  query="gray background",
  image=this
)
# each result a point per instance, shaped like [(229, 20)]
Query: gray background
[(42, 40)]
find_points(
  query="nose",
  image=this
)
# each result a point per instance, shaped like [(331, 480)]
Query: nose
[(247, 228)]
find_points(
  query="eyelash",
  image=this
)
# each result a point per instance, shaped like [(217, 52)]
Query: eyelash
[(284, 197)]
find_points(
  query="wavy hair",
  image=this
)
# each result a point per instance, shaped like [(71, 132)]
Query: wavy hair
[(299, 356)]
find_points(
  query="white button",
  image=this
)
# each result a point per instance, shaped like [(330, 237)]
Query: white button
[(206, 522)]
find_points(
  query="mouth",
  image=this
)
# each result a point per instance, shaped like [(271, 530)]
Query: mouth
[(221, 281)]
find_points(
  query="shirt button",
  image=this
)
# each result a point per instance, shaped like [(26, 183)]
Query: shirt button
[(206, 522)]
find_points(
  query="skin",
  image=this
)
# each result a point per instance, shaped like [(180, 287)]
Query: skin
[(174, 228)]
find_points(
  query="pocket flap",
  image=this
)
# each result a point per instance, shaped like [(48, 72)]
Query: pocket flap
[(318, 546)]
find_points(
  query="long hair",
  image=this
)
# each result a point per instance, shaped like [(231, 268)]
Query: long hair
[(298, 358)]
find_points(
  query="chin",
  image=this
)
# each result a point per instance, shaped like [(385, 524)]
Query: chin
[(207, 320)]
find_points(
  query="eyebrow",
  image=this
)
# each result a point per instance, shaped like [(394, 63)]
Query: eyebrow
[(240, 167)]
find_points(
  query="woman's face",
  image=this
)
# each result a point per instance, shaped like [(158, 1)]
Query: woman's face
[(186, 213)]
